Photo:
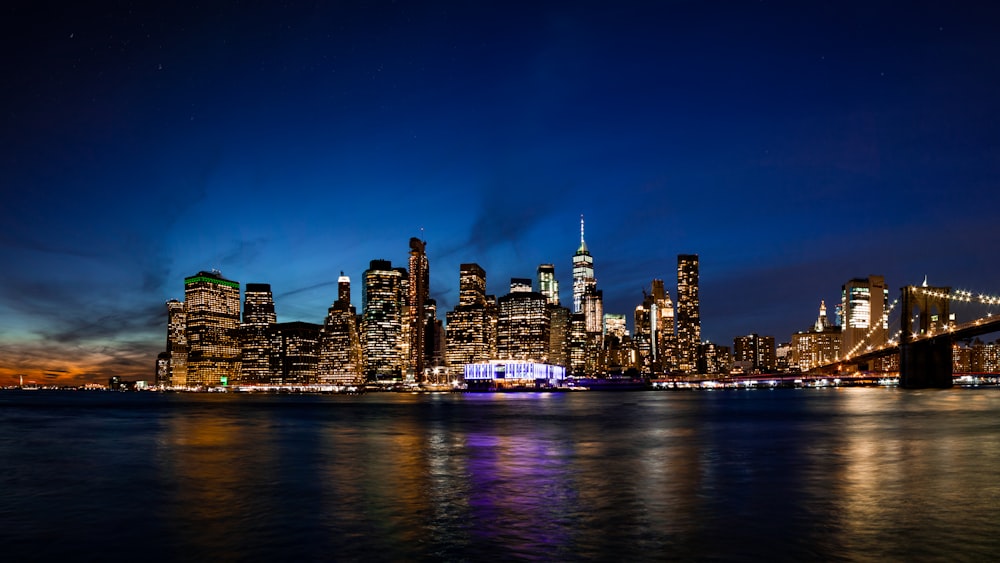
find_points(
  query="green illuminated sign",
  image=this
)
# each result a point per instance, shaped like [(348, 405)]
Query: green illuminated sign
[(196, 279)]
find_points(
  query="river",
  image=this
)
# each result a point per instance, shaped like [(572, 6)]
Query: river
[(785, 474)]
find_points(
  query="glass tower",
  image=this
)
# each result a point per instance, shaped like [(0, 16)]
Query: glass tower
[(583, 273)]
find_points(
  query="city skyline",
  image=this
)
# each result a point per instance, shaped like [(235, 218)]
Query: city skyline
[(792, 147)]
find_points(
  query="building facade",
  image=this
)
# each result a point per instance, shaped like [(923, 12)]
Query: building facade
[(863, 302), (383, 314), (212, 306), (255, 334), (688, 314), (340, 354)]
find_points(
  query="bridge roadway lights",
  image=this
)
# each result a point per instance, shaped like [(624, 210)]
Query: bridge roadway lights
[(926, 364)]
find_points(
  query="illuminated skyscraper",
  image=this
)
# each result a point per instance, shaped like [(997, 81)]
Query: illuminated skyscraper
[(688, 312), (523, 327), (419, 293), (296, 346), (558, 335), (212, 304), (383, 309), (470, 336), (863, 303), (255, 338), (177, 347), (340, 356), (592, 308), (548, 285), (583, 273)]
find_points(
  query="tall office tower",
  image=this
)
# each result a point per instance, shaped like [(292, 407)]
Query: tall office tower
[(471, 285), (419, 293), (558, 335), (642, 341), (523, 327), (255, 338), (296, 357), (469, 333), (863, 301), (520, 285), (383, 311), (577, 344), (212, 304), (662, 327), (177, 347), (340, 357), (592, 308), (688, 314), (548, 285), (583, 273), (754, 353)]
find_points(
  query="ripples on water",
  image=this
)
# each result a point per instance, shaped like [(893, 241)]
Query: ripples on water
[(847, 474)]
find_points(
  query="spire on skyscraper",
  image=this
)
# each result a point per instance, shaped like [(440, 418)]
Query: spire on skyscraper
[(583, 245)]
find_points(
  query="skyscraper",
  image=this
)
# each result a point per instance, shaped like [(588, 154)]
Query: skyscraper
[(583, 273), (340, 356), (863, 304), (548, 285), (419, 293), (177, 347), (523, 327), (255, 338), (470, 334), (688, 314), (212, 304), (383, 311)]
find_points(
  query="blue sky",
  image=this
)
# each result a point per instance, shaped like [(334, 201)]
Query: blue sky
[(793, 146)]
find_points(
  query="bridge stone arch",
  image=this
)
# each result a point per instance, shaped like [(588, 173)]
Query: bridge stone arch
[(925, 362)]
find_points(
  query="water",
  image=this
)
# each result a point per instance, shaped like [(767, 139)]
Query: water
[(834, 474)]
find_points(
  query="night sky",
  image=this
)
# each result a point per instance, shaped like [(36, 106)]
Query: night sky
[(793, 146)]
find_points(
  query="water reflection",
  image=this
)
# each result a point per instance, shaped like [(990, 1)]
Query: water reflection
[(805, 474)]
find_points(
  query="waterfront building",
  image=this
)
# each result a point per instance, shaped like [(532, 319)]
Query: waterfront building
[(523, 327), (548, 285), (296, 345), (558, 334), (583, 273), (340, 355), (383, 311), (177, 347), (642, 341), (817, 346), (212, 307), (419, 293), (863, 301), (470, 336), (754, 353), (577, 345), (500, 374), (255, 333), (162, 367), (714, 359), (688, 315)]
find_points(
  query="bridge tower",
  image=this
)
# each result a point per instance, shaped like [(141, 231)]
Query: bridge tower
[(925, 362)]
